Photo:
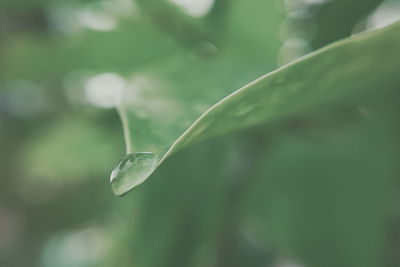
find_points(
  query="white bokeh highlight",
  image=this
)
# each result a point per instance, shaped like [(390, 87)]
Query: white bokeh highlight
[(104, 90), (195, 8)]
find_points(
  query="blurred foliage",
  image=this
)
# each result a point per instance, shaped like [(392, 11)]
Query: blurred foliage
[(316, 189)]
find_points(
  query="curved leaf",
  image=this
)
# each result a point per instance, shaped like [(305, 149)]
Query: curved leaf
[(338, 71)]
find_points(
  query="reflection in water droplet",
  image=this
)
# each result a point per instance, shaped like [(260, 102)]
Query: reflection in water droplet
[(131, 171)]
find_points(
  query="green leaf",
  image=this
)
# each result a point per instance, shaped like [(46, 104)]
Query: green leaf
[(162, 127)]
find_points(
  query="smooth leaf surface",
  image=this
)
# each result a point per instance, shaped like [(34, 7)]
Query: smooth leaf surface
[(337, 71)]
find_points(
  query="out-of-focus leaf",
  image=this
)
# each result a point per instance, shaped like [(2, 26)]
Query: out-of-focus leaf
[(135, 43), (338, 71), (324, 190), (49, 161), (176, 23), (330, 28)]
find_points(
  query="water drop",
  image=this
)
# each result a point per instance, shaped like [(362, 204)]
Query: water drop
[(131, 171)]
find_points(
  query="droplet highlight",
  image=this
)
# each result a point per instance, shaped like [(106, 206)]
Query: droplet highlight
[(131, 171)]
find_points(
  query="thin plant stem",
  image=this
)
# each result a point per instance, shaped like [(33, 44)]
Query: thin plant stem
[(125, 127)]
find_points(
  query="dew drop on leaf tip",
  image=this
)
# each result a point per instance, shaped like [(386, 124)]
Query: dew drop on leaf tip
[(131, 171)]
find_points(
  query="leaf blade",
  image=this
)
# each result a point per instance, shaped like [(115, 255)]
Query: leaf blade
[(320, 77)]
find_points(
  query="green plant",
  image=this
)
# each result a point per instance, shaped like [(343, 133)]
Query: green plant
[(265, 132), (320, 78)]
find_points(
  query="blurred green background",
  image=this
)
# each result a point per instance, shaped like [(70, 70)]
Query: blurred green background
[(319, 189)]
